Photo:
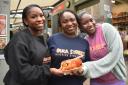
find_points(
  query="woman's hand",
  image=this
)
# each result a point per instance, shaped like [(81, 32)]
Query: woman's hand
[(77, 72), (56, 72), (46, 60)]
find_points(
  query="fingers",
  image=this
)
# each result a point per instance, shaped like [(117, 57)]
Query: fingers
[(78, 72), (56, 72), (59, 72), (81, 56), (46, 60)]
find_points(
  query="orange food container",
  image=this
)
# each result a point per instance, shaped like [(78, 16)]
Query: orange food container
[(71, 64)]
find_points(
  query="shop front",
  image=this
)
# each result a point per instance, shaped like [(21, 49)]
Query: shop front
[(100, 9), (59, 7)]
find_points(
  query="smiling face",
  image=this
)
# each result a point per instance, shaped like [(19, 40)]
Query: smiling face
[(88, 24), (68, 23), (35, 19)]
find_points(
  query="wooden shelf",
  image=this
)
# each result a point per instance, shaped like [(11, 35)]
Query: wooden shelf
[(121, 18), (121, 21)]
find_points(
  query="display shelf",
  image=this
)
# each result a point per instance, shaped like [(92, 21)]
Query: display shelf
[(120, 20)]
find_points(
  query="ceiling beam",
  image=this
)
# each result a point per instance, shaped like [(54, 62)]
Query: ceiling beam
[(16, 10), (122, 1)]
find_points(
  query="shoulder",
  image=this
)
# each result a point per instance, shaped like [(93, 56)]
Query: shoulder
[(21, 36), (108, 27), (56, 35), (110, 32), (82, 40)]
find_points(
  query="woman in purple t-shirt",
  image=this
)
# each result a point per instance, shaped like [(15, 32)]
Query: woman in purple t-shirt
[(107, 65)]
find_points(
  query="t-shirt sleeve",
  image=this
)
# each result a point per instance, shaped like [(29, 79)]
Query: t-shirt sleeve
[(87, 53)]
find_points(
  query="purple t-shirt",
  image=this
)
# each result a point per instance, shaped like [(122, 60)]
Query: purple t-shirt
[(98, 49)]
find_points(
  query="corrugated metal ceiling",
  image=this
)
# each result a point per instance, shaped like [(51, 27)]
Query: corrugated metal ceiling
[(16, 6), (23, 3)]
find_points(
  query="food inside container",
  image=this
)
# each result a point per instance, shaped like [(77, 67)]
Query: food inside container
[(71, 64)]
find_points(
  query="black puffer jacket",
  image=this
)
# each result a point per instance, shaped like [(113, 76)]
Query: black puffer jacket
[(24, 54)]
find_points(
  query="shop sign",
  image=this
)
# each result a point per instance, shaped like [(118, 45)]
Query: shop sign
[(58, 8)]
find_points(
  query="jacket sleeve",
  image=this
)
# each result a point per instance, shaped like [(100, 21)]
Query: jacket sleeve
[(104, 65), (19, 60)]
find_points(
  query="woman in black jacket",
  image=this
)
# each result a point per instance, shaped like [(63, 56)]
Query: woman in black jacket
[(26, 53)]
